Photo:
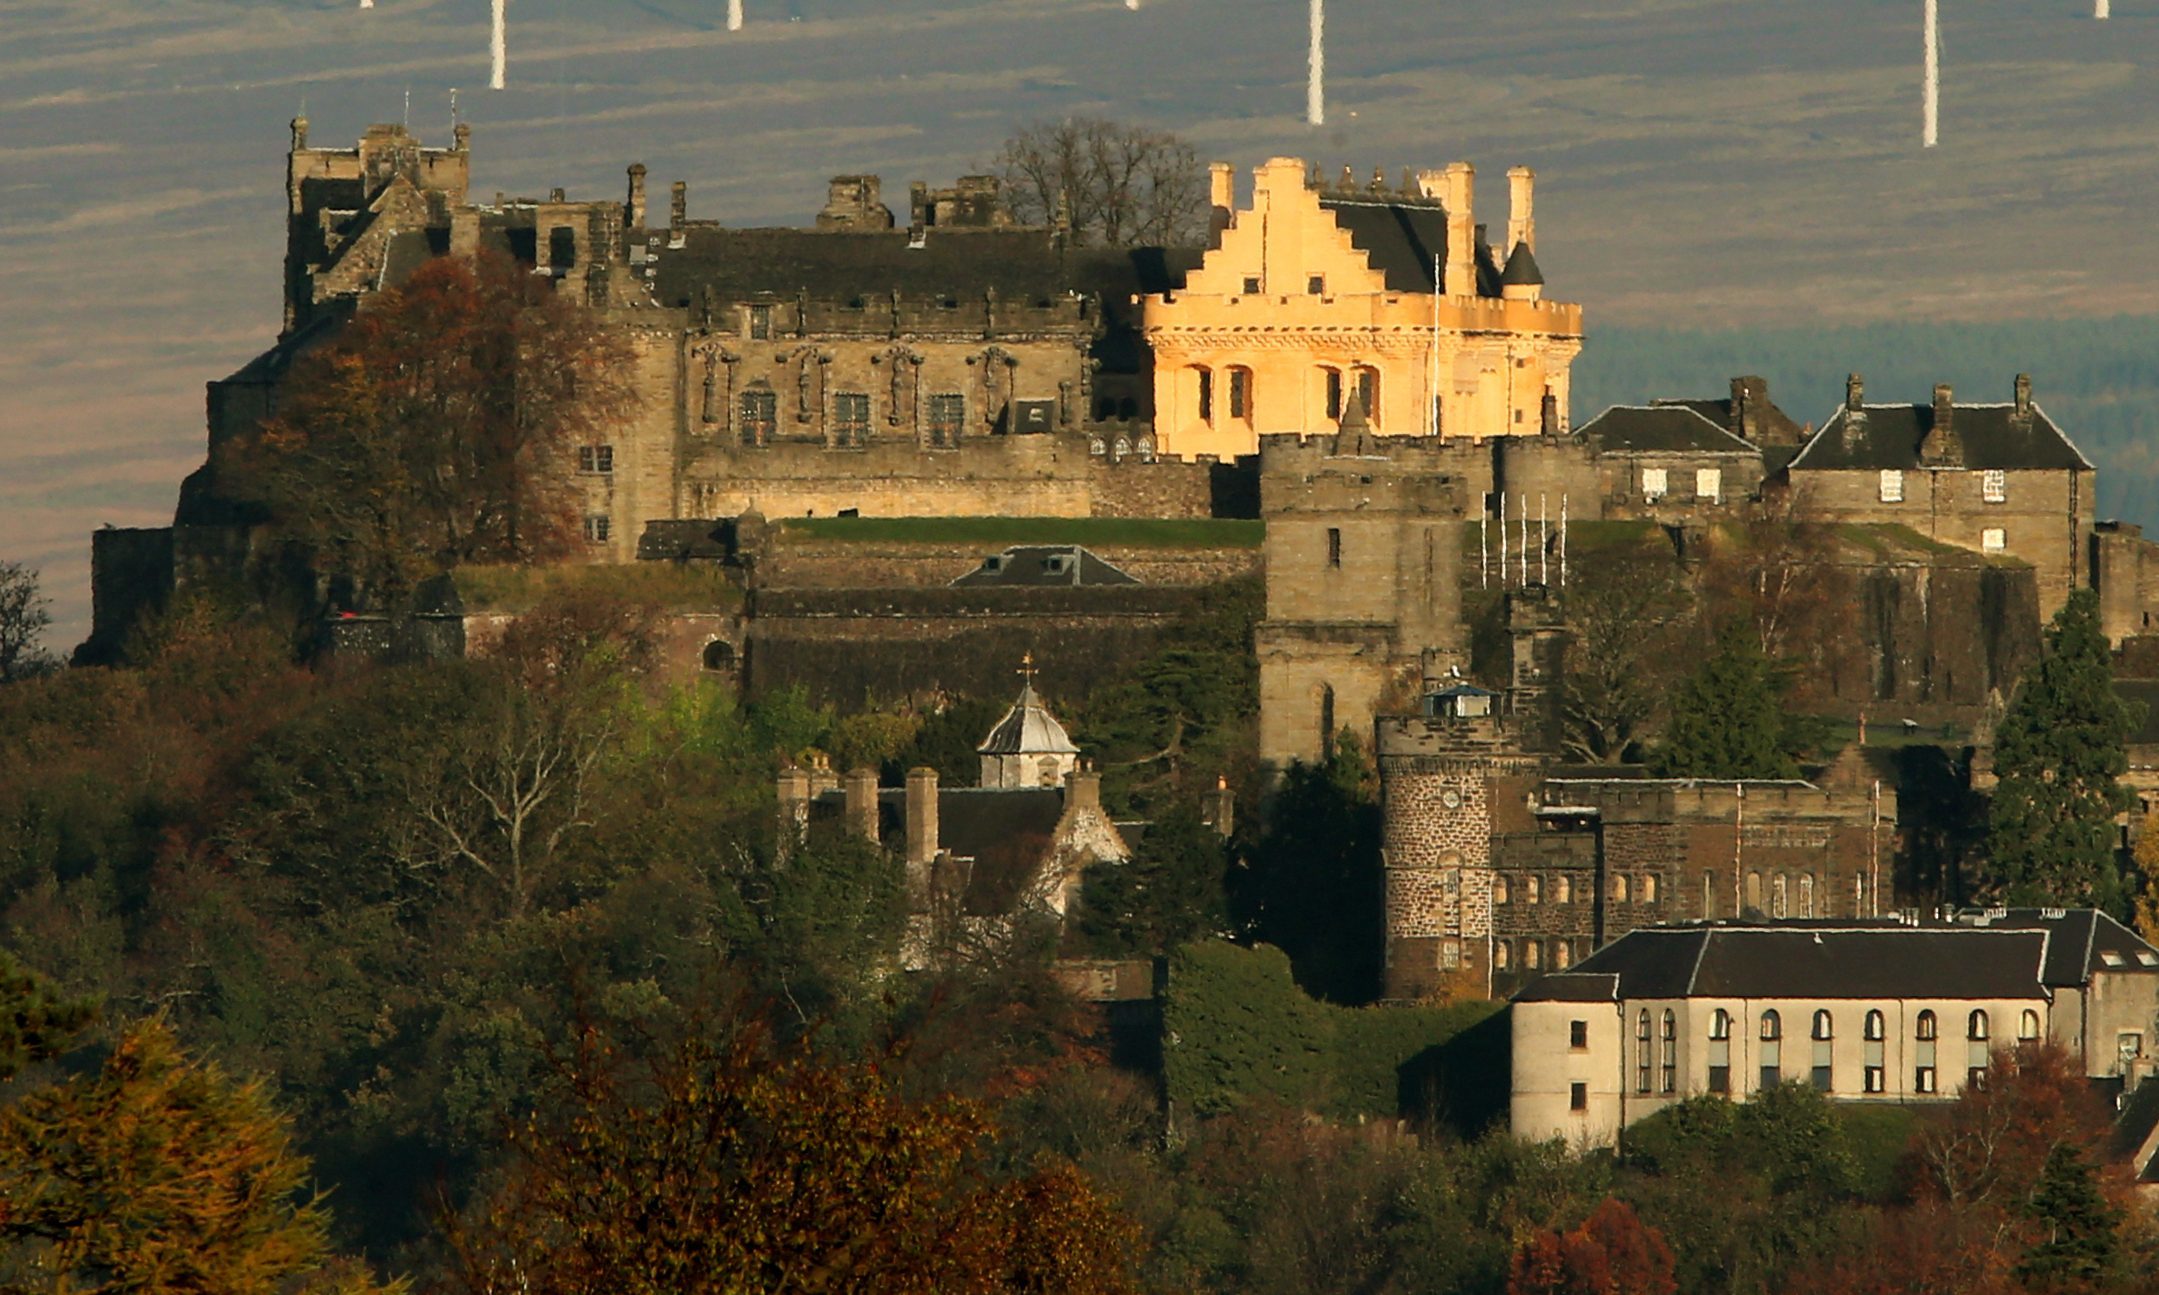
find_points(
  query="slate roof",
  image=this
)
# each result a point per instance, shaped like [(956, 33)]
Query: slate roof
[(2080, 941), (1521, 269), (670, 540), (1401, 240), (1888, 436), (1774, 429), (2136, 1132), (1817, 961), (1639, 429), (1007, 834), (1028, 729), (1031, 567)]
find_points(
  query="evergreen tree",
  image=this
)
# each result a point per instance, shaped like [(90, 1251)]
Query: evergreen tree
[(1169, 892), (36, 1022), (2050, 835), (2080, 1249), (1312, 883), (1728, 718)]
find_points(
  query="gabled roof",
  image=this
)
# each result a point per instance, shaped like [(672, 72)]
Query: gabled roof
[(1773, 428), (1400, 240), (2081, 941), (1889, 436), (1038, 566), (1819, 961), (1028, 729), (1640, 429)]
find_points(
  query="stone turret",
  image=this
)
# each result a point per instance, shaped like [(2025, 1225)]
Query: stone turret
[(1028, 747)]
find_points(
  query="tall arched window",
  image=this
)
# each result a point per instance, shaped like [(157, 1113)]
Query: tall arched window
[(1824, 1070), (1641, 1051), (1649, 888), (1754, 891), (1976, 1043), (1562, 890), (1925, 1033), (1777, 897), (1367, 380), (1619, 888), (1203, 392), (1562, 953), (1500, 957), (1709, 894), (1772, 1054), (1499, 890), (1877, 1074), (1330, 382), (1806, 895), (1720, 1051), (1240, 394), (1668, 1080), (2028, 1027), (1530, 887), (1531, 950), (1326, 721)]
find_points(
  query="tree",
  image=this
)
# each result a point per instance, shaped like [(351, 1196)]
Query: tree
[(1728, 717), (24, 617), (2058, 753), (439, 428), (1995, 1139), (1123, 185), (2145, 909), (1621, 616), (2080, 1245), (1311, 882), (37, 1022), (157, 1173), (1168, 893), (690, 1162), (1611, 1253)]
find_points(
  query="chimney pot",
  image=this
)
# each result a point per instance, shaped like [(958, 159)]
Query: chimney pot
[(1855, 394)]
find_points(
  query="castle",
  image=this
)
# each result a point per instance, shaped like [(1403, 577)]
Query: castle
[(1353, 363)]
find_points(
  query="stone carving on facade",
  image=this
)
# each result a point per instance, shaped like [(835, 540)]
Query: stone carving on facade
[(906, 378), (718, 383)]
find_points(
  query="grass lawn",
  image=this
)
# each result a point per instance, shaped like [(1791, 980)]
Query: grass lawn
[(999, 532), (686, 587)]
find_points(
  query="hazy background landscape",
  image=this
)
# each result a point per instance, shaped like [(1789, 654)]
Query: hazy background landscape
[(1732, 186)]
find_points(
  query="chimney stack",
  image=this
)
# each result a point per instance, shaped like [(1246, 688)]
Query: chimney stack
[(635, 216), (1855, 395), (299, 133), (921, 817), (1521, 215), (794, 799), (462, 134), (1749, 394), (2024, 397), (678, 210), (1083, 788), (1945, 406), (1460, 182), (862, 804), (1222, 199)]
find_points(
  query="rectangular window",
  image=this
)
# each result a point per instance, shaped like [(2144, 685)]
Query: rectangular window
[(1206, 395), (948, 411), (1251, 285), (760, 322), (1240, 393), (1316, 285), (1655, 483), (596, 458), (760, 417), (1892, 486), (851, 418), (1720, 1079), (1994, 486), (1874, 1079), (1993, 540), (1334, 546), (1976, 1079), (1578, 1035), (597, 529), (1334, 393), (1923, 1080), (1820, 1079), (1709, 484), (1578, 1097)]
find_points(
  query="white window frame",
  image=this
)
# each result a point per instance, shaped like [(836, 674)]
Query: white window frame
[(1993, 539), (1656, 484), (1709, 484), (1892, 485), (1994, 486)]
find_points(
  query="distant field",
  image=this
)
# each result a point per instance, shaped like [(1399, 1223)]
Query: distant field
[(998, 532)]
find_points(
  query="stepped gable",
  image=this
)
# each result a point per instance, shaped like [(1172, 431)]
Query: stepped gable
[(1659, 428), (1891, 436)]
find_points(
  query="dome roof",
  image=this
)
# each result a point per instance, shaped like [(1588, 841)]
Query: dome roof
[(1028, 729)]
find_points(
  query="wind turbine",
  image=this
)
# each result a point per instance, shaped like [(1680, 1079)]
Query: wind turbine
[(734, 15), (499, 46), (1315, 94), (1931, 33)]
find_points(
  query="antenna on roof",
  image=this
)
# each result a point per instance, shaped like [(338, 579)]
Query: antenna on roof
[(453, 110)]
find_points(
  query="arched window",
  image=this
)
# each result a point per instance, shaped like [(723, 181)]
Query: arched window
[(1777, 897), (1641, 1051), (1562, 890), (1368, 394), (1772, 1054), (1530, 886), (1649, 887), (1531, 951), (719, 655), (1500, 957), (1499, 890), (1562, 953), (1823, 1070), (1097, 447), (1925, 1032), (2028, 1027), (1754, 891), (1806, 895), (1720, 1051), (1876, 1072), (1119, 448), (1330, 380), (1240, 394), (1619, 888), (1976, 1044), (1668, 1080), (1145, 448), (1203, 384)]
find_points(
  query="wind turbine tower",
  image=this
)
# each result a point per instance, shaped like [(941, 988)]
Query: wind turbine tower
[(499, 46), (1931, 121), (2099, 8), (1315, 96), (734, 15)]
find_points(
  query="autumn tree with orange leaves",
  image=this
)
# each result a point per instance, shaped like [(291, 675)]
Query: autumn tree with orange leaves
[(1612, 1253), (440, 427), (695, 1165)]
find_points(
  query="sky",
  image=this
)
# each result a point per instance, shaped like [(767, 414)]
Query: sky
[(1699, 164)]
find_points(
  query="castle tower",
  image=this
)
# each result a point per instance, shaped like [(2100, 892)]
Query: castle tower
[(1441, 775), (1028, 747)]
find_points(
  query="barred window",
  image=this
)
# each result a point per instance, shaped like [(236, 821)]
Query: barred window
[(760, 416), (850, 418), (597, 529), (948, 413)]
